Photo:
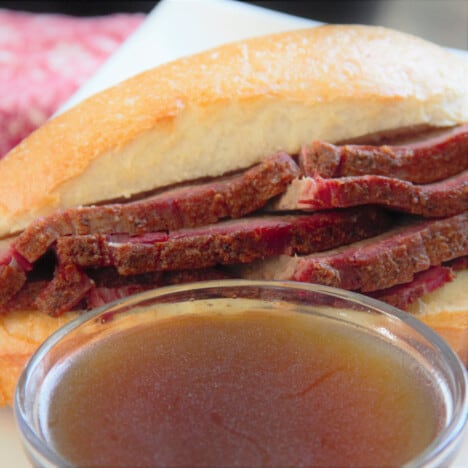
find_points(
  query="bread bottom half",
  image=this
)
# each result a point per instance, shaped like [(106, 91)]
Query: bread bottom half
[(21, 332)]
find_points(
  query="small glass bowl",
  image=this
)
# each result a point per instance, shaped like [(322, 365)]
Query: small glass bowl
[(380, 320)]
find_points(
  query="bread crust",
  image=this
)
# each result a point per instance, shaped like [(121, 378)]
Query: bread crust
[(227, 108), (446, 311), (21, 333)]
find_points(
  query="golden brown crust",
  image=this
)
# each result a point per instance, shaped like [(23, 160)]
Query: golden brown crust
[(21, 333), (446, 311), (227, 108), (453, 327)]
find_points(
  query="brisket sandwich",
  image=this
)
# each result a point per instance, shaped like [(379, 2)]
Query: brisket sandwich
[(336, 155)]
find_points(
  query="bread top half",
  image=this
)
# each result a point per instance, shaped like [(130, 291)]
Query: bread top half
[(226, 109)]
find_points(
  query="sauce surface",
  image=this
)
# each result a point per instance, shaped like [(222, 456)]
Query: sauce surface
[(242, 389)]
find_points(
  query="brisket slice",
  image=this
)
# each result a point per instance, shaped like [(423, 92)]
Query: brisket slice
[(12, 279), (13, 270), (234, 241), (105, 293), (98, 297), (110, 278), (68, 287), (422, 162), (73, 288), (458, 264), (402, 295), (190, 206), (377, 263), (25, 298), (439, 199)]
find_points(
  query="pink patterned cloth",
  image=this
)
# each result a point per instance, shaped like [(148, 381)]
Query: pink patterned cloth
[(44, 58)]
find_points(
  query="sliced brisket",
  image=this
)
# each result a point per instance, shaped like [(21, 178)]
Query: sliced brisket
[(402, 295), (13, 270), (422, 162), (25, 298), (103, 294), (458, 264), (377, 263), (12, 279), (103, 253), (110, 278), (97, 297), (234, 241), (68, 287), (439, 199), (72, 288), (190, 206)]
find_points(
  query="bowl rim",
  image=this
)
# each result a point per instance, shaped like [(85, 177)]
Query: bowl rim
[(444, 441)]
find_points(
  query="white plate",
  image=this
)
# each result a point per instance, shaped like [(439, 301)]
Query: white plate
[(176, 28), (204, 23)]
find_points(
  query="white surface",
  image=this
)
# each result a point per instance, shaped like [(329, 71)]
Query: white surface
[(11, 452), (182, 27), (173, 29)]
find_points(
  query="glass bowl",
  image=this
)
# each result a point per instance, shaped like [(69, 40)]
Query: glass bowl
[(428, 356)]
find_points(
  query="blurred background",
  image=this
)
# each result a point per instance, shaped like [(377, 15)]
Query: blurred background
[(45, 57), (442, 21)]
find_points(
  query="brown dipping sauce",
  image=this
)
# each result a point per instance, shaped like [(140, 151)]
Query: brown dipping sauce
[(239, 389)]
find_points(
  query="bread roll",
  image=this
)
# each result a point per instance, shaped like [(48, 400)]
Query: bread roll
[(220, 111), (446, 311), (226, 109), (21, 333)]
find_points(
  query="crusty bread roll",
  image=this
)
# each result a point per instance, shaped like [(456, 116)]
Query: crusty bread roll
[(446, 311), (224, 110), (21, 333)]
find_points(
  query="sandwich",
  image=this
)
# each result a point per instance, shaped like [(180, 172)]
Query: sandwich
[(336, 155)]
